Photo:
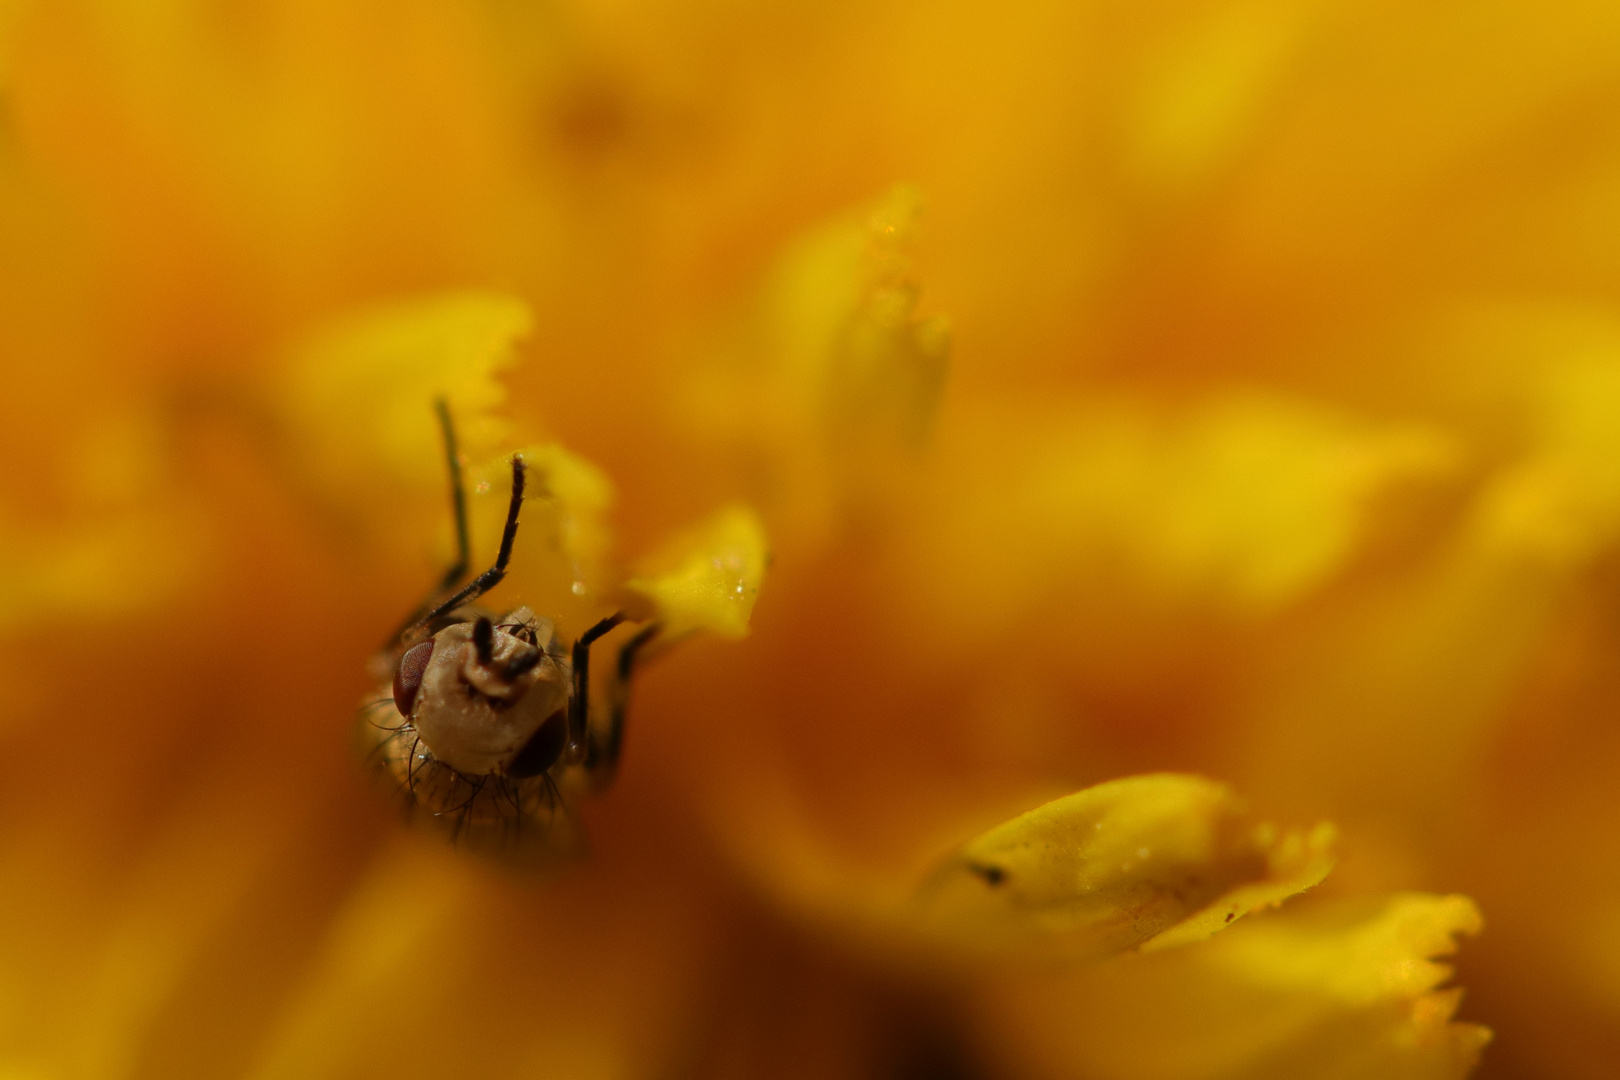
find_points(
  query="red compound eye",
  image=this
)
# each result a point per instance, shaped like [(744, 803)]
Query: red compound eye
[(543, 749), (408, 676)]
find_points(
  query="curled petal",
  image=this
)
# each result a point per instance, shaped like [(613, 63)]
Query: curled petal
[(1144, 861)]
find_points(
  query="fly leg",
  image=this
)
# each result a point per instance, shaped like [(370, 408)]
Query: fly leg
[(493, 576), (602, 752), (579, 701), (458, 508)]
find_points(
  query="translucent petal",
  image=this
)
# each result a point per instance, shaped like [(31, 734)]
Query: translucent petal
[(708, 577), (560, 561)]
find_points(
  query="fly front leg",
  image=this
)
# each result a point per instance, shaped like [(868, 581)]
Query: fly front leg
[(602, 749)]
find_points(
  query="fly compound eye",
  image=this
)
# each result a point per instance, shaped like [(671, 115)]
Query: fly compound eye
[(408, 675), (543, 749)]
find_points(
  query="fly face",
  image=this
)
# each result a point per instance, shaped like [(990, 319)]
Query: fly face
[(485, 694)]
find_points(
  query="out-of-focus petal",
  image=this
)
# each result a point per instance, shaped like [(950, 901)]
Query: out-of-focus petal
[(1407, 684), (402, 980), (1244, 504), (356, 398), (107, 568), (11, 12), (707, 578), (1341, 991), (831, 380), (1148, 860), (128, 538), (886, 366)]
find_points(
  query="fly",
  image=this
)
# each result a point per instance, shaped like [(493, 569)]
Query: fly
[(482, 721)]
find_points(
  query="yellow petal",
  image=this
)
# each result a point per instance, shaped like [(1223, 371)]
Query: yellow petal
[(357, 397), (106, 569), (886, 367), (1148, 860), (1407, 687), (560, 561), (130, 539), (707, 578), (831, 380), (615, 992), (1295, 861), (1122, 516), (1335, 991), (1203, 87)]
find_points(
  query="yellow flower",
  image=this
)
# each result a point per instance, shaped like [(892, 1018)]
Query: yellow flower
[(1255, 508)]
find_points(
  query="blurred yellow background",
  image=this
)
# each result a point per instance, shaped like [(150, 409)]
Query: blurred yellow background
[(1277, 442)]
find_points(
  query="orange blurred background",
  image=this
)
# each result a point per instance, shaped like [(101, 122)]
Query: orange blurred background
[(1277, 445)]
